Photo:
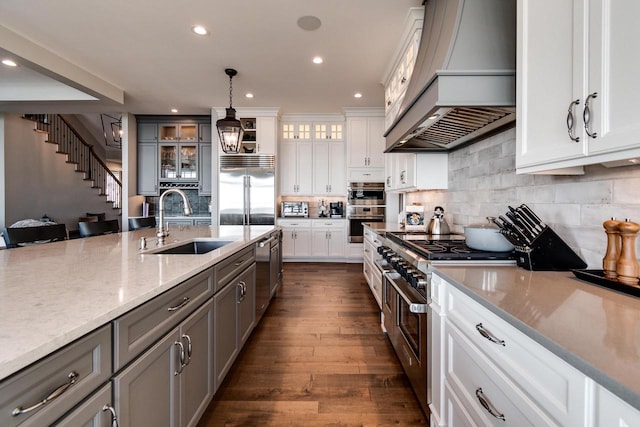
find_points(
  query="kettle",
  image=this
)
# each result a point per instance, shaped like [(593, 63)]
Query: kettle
[(437, 224)]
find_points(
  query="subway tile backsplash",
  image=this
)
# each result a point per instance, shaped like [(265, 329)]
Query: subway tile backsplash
[(483, 182)]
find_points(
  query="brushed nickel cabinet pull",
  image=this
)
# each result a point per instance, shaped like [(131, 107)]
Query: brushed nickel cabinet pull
[(184, 302), (488, 335), (189, 347), (114, 418), (586, 115), (570, 121), (73, 378), (488, 406), (181, 358)]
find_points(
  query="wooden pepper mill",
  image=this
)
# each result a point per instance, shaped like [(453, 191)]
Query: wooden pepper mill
[(627, 267), (610, 260)]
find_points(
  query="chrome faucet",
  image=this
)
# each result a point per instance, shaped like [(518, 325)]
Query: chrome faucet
[(162, 231)]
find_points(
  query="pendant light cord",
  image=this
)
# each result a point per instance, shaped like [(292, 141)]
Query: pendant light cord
[(230, 91)]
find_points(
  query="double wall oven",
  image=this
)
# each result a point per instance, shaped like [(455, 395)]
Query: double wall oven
[(406, 264), (365, 203)]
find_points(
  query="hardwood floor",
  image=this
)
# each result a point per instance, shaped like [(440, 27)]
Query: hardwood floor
[(317, 358)]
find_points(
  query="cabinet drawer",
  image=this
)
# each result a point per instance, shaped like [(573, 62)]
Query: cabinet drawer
[(472, 377), (142, 326), (327, 223), (294, 223), (366, 175), (232, 266), (89, 358), (548, 380)]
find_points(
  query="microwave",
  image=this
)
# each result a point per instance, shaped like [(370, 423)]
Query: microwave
[(294, 209)]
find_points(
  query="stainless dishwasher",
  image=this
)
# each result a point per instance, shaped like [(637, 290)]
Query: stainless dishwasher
[(267, 271)]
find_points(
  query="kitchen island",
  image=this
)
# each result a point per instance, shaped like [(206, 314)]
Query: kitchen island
[(55, 293)]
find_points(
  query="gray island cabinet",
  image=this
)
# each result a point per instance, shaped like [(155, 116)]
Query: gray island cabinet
[(153, 352)]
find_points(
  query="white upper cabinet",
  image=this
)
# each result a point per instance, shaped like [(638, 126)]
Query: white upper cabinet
[(576, 84), (416, 171), (402, 65), (365, 142), (329, 173)]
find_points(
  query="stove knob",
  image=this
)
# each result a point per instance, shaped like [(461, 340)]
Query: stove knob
[(421, 282), (381, 249)]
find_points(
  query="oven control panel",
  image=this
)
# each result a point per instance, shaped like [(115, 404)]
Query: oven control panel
[(415, 278)]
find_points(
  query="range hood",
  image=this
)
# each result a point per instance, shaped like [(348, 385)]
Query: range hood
[(463, 86)]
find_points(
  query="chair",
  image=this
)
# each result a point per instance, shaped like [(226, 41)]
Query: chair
[(88, 229), (142, 223), (88, 219), (101, 216), (19, 236)]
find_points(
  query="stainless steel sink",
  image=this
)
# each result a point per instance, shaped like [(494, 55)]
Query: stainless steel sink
[(192, 247)]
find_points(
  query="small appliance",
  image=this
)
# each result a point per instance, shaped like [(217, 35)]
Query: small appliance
[(336, 209), (294, 209)]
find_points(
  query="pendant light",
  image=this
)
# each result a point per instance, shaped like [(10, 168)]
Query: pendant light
[(230, 129)]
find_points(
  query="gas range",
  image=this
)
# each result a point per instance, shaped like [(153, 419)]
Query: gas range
[(448, 248), (412, 255)]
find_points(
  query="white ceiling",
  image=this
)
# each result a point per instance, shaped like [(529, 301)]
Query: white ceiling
[(145, 50)]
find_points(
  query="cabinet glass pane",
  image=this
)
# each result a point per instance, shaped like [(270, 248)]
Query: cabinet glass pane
[(321, 131), (304, 131), (188, 132), (288, 131), (188, 161), (168, 132), (336, 131), (168, 161)]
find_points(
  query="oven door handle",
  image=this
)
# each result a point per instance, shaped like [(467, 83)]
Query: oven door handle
[(414, 307), (365, 216)]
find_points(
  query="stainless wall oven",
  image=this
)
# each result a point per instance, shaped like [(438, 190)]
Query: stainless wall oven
[(365, 203)]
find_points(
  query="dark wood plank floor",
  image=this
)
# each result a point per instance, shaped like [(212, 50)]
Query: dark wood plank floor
[(318, 358)]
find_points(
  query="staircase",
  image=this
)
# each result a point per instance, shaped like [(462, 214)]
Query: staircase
[(80, 154)]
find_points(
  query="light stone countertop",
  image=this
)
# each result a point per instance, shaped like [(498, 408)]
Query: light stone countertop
[(54, 293), (595, 329)]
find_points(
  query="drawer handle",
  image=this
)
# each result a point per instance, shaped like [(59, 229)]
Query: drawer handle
[(243, 291), (181, 358), (73, 378), (488, 335), (238, 264), (488, 406), (184, 302), (114, 418)]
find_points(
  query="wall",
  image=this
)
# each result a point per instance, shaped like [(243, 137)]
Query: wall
[(483, 182), (39, 181)]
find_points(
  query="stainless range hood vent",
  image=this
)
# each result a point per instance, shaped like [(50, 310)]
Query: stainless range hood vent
[(463, 84)]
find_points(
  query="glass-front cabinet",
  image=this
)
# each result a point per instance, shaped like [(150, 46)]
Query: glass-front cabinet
[(178, 132), (178, 162)]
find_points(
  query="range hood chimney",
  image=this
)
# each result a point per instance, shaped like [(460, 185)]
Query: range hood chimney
[(463, 85)]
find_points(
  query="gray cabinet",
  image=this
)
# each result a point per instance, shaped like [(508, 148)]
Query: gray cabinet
[(204, 132), (96, 411), (74, 372), (147, 169), (147, 132), (171, 383), (205, 159), (234, 307)]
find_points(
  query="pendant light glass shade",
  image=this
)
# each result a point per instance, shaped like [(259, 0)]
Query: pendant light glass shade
[(230, 129), (230, 132)]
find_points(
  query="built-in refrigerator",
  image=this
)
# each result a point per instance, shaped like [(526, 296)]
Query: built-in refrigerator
[(247, 190)]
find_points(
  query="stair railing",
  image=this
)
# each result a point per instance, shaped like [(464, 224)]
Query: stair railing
[(80, 153)]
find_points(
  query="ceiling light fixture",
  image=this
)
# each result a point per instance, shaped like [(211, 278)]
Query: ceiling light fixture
[(174, 110), (200, 30), (115, 126), (230, 128), (317, 60), (9, 63), (248, 95), (309, 23), (357, 95)]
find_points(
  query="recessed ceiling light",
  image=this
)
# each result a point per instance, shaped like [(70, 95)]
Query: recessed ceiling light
[(200, 30), (309, 23), (9, 63), (249, 95), (317, 60), (174, 110), (434, 116), (357, 95)]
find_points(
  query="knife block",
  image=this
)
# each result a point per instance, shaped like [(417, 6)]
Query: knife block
[(548, 252)]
